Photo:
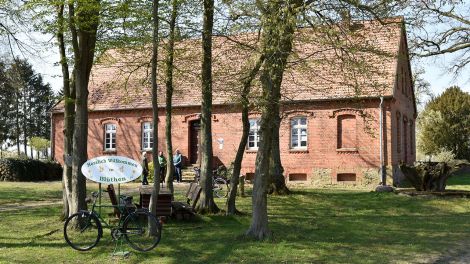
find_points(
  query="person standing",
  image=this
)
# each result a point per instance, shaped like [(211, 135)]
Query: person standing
[(178, 163), (145, 171), (162, 162)]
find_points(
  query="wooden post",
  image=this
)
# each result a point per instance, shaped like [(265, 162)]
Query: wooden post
[(242, 186)]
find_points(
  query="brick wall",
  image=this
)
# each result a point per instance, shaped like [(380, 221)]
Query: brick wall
[(319, 163)]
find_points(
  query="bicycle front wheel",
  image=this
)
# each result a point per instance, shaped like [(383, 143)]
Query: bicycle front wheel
[(142, 230), (82, 231), (220, 187)]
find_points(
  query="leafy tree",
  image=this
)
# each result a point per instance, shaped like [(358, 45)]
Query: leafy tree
[(39, 144), (68, 96), (169, 69), (156, 171), (445, 124), (206, 202), (6, 106), (27, 104), (84, 19)]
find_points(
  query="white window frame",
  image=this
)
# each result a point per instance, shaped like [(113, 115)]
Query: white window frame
[(110, 130), (296, 132), (147, 134), (255, 130)]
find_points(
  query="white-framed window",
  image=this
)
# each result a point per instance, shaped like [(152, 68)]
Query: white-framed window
[(109, 137), (147, 136), (253, 136), (298, 137)]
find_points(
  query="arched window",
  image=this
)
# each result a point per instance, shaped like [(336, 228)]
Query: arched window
[(109, 136), (398, 132), (347, 135)]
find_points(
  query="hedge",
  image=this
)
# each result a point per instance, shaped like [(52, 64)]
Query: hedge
[(29, 170)]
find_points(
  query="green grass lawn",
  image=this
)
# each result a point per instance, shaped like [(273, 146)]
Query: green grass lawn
[(459, 182), (20, 192), (310, 226)]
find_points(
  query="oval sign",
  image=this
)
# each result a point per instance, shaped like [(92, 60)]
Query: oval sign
[(111, 169)]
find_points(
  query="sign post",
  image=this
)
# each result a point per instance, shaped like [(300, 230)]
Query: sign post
[(111, 170)]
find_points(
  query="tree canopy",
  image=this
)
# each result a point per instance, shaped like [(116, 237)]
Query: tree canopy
[(444, 125)]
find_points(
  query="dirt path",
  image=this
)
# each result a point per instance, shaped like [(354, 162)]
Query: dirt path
[(461, 257), (27, 205)]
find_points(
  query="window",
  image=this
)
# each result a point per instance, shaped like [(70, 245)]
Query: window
[(347, 132), (250, 177), (411, 138), (299, 132), (109, 137), (346, 177), (253, 136), (405, 137), (147, 136), (398, 133), (297, 177)]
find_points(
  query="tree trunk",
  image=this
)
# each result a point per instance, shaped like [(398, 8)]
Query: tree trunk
[(83, 29), (169, 96), (231, 208), (69, 109), (431, 176), (206, 202), (17, 116), (259, 223), (30, 121), (277, 183), (25, 125), (156, 164), (278, 25)]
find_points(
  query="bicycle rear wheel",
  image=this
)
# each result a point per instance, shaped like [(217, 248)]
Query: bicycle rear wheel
[(137, 230), (82, 231), (220, 187)]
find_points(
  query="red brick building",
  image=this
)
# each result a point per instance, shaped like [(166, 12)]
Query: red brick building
[(330, 130)]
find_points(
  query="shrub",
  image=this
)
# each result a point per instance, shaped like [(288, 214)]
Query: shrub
[(150, 176), (29, 170)]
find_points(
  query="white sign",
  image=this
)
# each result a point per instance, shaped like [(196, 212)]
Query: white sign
[(111, 169), (221, 143)]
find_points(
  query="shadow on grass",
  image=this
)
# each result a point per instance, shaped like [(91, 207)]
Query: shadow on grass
[(333, 226)]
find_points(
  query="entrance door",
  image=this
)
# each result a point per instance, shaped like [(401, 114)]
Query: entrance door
[(195, 128)]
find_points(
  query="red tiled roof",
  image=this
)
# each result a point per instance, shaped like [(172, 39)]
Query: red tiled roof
[(319, 69)]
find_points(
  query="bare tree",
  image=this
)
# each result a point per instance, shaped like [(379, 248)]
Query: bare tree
[(439, 28)]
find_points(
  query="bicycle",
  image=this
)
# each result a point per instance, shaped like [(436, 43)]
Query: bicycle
[(84, 229), (219, 184)]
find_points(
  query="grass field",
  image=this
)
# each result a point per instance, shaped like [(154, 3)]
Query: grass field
[(310, 226)]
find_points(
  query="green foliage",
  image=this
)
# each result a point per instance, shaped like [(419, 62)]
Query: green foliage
[(444, 125), (151, 171), (29, 170), (24, 102), (39, 143)]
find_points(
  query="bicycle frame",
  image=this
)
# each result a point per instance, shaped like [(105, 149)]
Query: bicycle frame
[(105, 224)]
